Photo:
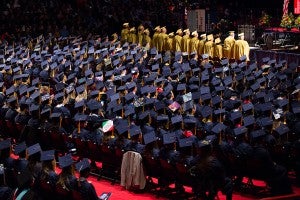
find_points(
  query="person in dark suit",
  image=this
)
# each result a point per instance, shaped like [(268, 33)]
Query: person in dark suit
[(85, 188)]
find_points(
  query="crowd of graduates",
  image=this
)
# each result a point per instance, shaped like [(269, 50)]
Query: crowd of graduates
[(217, 114)]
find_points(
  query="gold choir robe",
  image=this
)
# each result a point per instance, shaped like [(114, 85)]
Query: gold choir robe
[(169, 44), (185, 43), (241, 48), (140, 36), (209, 48), (161, 42), (132, 38), (146, 41), (228, 47), (155, 40), (194, 44), (201, 47), (177, 43), (124, 35), (218, 50)]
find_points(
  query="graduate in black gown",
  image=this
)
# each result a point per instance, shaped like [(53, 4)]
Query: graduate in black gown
[(85, 188)]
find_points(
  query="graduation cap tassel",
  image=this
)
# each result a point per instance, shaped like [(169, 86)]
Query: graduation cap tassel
[(78, 128), (60, 121), (141, 138), (112, 134)]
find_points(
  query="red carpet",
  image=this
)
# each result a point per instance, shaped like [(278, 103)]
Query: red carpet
[(118, 193)]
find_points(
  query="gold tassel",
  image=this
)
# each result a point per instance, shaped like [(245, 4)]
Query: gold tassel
[(60, 121), (112, 134)]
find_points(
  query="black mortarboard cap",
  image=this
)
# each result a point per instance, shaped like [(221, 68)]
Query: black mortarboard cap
[(219, 111), (82, 165), (109, 73), (169, 138), (282, 129), (129, 96), (79, 104), (176, 119), (122, 126), (206, 111), (34, 149), (240, 130), (247, 106), (10, 90), (19, 148), (257, 134), (47, 155), (266, 59), (80, 117), (5, 144), (162, 118), (59, 96), (181, 87), (196, 95), (11, 99), (34, 107), (65, 161), (216, 99), (255, 86), (80, 89), (186, 142), (149, 137), (282, 102), (228, 80), (249, 120), (129, 111), (55, 115), (235, 115), (134, 130), (266, 121), (94, 105), (218, 128)]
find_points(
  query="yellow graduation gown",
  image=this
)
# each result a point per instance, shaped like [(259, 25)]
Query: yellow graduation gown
[(177, 42), (228, 47), (218, 50), (155, 40), (185, 43), (241, 48), (124, 35), (161, 41), (201, 47), (194, 44), (209, 48)]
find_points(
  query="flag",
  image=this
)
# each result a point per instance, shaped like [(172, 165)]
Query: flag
[(286, 7), (107, 126)]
